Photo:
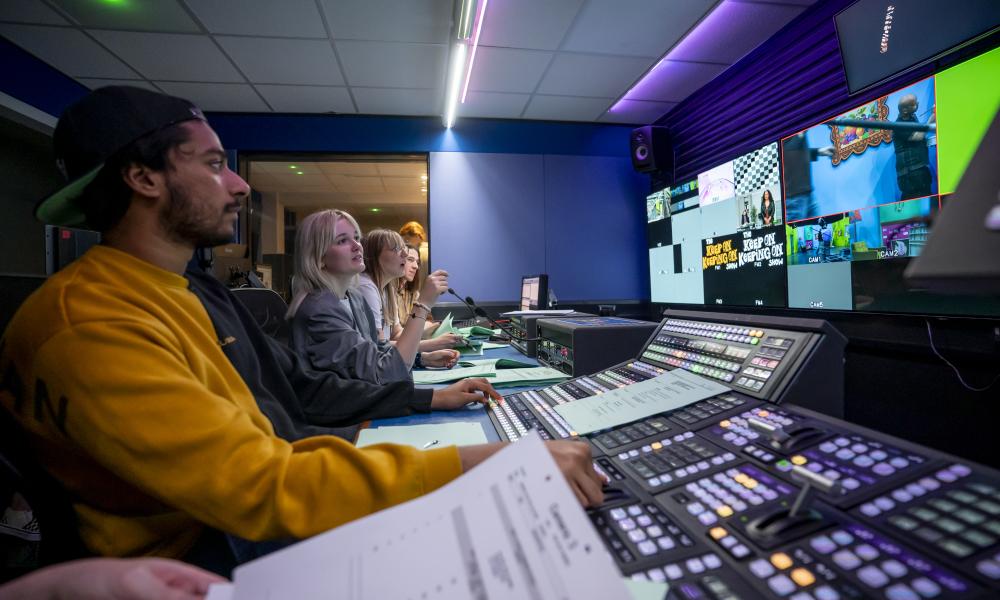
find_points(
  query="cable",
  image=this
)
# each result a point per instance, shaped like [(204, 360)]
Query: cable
[(930, 337), (476, 310)]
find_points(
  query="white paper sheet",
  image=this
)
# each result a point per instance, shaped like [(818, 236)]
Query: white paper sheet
[(508, 529), (669, 391), (422, 437), (220, 591)]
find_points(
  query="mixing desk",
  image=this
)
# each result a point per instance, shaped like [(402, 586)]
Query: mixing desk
[(747, 494)]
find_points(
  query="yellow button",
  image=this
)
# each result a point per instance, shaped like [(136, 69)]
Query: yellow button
[(799, 460), (763, 413), (725, 424), (780, 560), (717, 533), (656, 445), (750, 484), (724, 511), (741, 478), (573, 434), (802, 577)]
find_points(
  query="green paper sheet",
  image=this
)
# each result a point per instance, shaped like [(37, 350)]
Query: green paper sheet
[(492, 345), (418, 436), (445, 376), (646, 590), (498, 363), (474, 347), (475, 330), (529, 376), (444, 327)]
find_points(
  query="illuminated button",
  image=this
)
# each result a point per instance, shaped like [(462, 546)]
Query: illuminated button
[(802, 577), (799, 460), (763, 414), (656, 445), (780, 560), (718, 533), (724, 511)]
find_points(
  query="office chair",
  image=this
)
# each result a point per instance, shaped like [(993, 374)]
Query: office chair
[(268, 309)]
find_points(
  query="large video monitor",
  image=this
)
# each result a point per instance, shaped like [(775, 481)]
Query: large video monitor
[(534, 292), (880, 39), (723, 242), (864, 188), (829, 217)]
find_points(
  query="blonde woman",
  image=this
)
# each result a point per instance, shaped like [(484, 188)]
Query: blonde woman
[(332, 325)]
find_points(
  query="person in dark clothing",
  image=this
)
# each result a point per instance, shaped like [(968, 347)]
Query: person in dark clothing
[(913, 171)]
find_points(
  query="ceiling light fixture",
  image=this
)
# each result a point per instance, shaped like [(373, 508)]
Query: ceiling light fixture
[(475, 45), (376, 209), (423, 178), (292, 167), (469, 25)]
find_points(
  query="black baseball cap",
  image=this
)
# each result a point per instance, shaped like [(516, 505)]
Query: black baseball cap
[(94, 129)]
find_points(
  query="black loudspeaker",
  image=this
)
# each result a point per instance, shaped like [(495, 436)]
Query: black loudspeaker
[(651, 149)]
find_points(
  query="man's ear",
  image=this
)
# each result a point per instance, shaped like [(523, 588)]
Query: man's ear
[(144, 181)]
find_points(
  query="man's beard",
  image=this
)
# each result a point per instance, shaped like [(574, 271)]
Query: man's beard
[(186, 220)]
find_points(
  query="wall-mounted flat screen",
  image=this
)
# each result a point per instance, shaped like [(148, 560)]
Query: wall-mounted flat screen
[(862, 191), (880, 39)]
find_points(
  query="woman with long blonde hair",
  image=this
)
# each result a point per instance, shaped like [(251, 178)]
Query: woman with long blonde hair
[(332, 324)]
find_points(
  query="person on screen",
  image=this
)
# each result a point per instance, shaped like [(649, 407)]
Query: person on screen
[(332, 325), (913, 171), (140, 384), (767, 209), (745, 215)]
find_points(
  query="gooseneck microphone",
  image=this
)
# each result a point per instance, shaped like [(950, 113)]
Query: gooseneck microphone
[(479, 312)]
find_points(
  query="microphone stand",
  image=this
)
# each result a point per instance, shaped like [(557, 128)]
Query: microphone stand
[(479, 312)]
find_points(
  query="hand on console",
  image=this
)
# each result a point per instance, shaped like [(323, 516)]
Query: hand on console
[(440, 358), (459, 394)]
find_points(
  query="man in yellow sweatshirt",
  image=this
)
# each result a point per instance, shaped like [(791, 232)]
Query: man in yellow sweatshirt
[(116, 372)]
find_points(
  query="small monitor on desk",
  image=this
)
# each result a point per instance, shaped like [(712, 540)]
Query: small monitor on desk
[(534, 291)]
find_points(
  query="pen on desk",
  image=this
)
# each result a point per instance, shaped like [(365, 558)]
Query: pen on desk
[(429, 444)]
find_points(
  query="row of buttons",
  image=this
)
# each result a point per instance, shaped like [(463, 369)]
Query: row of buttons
[(906, 493), (767, 363), (750, 384), (697, 357), (648, 530), (699, 369), (729, 542), (732, 492), (633, 433), (878, 563), (563, 429), (707, 408), (662, 462)]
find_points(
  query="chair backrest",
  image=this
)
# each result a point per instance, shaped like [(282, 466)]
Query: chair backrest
[(50, 502), (268, 309)]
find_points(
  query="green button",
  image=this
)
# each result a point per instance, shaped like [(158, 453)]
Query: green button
[(754, 341)]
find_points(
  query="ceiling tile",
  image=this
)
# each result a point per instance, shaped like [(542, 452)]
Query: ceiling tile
[(427, 21), (288, 18), (507, 70), (493, 105), (161, 15), (68, 50), (308, 99), (348, 168), (222, 97), (634, 27), (673, 81), (733, 30), (528, 23), (357, 183), (170, 56), (412, 169), (97, 83), (566, 108), (378, 64), (591, 75), (30, 11), (269, 60), (403, 184), (386, 101), (637, 112)]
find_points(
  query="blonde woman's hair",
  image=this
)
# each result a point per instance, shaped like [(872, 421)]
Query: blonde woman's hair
[(374, 242), (314, 237)]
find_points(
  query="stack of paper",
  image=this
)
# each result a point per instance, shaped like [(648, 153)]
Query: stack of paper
[(507, 530), (534, 376)]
